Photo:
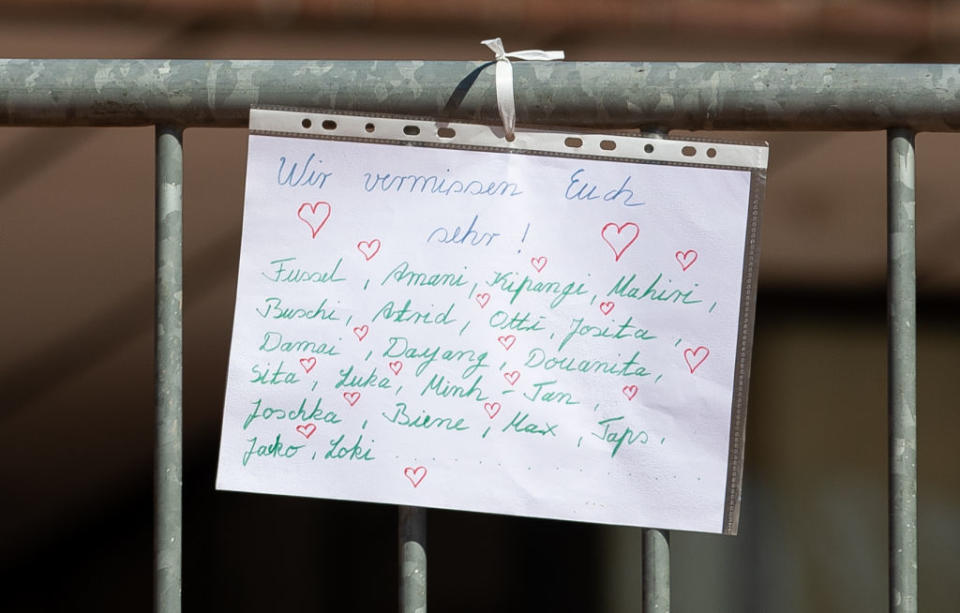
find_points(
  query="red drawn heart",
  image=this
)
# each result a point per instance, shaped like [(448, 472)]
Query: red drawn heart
[(686, 258), (507, 341), (619, 238), (512, 376), (369, 248), (309, 215), (361, 331), (307, 430), (483, 299), (606, 307), (693, 357), (415, 475), (308, 363), (538, 263), (492, 408), (396, 367), (630, 391), (351, 397)]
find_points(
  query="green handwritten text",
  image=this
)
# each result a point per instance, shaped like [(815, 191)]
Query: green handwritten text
[(424, 421), (653, 291), (276, 449)]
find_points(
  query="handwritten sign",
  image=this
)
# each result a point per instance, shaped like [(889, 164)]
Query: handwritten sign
[(536, 328)]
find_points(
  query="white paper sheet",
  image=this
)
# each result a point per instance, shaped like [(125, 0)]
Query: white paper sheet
[(499, 332)]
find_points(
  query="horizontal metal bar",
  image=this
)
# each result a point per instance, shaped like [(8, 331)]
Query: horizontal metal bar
[(719, 96)]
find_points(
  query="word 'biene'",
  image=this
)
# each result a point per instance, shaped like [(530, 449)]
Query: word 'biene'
[(424, 420)]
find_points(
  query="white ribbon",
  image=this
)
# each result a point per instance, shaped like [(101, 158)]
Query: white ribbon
[(504, 82)]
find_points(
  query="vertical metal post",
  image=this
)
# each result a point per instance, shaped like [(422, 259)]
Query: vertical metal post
[(902, 385), (656, 543), (656, 571), (413, 560), (169, 370)]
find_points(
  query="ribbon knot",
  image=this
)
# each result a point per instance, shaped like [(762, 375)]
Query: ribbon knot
[(504, 78)]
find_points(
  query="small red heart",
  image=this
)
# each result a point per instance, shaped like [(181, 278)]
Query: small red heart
[(686, 258), (307, 430), (361, 331), (693, 358), (396, 367), (415, 475), (606, 307), (630, 391), (507, 341), (369, 248), (483, 299), (309, 214), (351, 397), (539, 263), (308, 363), (512, 376), (492, 408)]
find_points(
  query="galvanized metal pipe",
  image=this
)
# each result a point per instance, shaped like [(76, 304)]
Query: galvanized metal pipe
[(721, 96), (656, 543), (902, 381), (656, 571), (413, 559), (169, 370)]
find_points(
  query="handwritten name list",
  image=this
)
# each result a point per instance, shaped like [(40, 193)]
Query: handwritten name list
[(510, 333)]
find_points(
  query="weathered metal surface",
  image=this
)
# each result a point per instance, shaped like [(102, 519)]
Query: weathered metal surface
[(902, 382), (656, 571), (413, 559), (722, 96), (169, 371)]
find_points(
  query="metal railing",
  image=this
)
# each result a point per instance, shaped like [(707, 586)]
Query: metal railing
[(172, 95)]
